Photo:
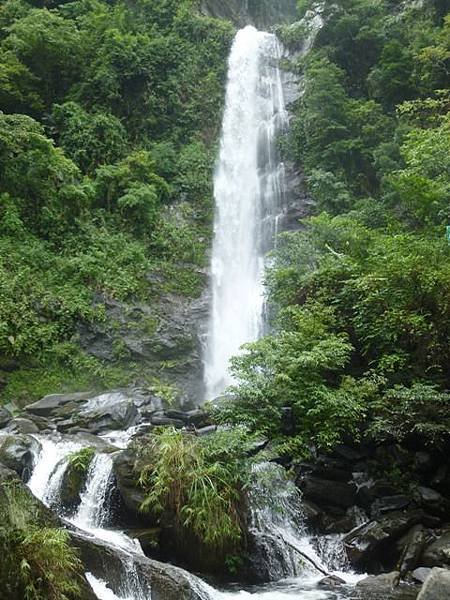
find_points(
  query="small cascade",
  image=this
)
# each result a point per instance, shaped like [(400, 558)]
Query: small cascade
[(93, 512), (278, 524), (93, 515), (101, 589), (45, 481)]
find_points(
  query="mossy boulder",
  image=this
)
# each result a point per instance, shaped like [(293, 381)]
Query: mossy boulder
[(74, 478), (17, 453), (23, 515)]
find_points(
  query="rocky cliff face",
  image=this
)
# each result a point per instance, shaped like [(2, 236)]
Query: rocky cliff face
[(261, 13), (161, 340)]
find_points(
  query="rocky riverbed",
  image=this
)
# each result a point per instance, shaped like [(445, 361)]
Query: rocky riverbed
[(380, 510)]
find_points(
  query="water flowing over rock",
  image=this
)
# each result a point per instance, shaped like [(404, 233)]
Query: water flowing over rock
[(249, 195)]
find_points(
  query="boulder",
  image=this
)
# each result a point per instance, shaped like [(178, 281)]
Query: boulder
[(432, 501), (370, 490), (148, 539), (106, 412), (354, 517), (42, 423), (411, 547), (326, 467), (108, 563), (373, 543), (326, 492), (330, 582), (5, 417), (72, 485), (166, 421), (198, 418), (388, 504), (49, 405), (131, 495), (420, 574), (17, 452), (21, 425), (436, 586), (437, 554), (384, 587)]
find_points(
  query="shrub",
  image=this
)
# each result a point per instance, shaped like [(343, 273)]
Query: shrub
[(38, 562), (198, 482)]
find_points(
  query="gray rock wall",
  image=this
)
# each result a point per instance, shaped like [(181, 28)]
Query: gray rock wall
[(261, 13)]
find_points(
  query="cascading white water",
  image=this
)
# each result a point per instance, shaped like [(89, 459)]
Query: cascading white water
[(101, 589), (249, 194), (91, 511), (45, 481)]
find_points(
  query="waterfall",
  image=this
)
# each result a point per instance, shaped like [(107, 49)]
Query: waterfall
[(249, 196), (91, 512), (45, 481)]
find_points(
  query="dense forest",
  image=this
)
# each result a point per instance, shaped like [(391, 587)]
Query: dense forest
[(361, 336), (110, 115)]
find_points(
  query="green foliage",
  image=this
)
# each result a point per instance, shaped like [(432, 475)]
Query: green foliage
[(420, 412), (109, 115), (197, 483), (88, 139), (298, 369), (360, 294), (38, 562), (81, 460)]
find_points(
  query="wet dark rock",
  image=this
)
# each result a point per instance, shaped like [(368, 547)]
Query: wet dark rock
[(148, 539), (206, 430), (421, 573), (131, 495), (423, 462), (373, 544), (20, 425), (436, 586), (330, 582), (411, 547), (17, 453), (441, 479), (433, 502), (48, 405), (370, 490), (312, 513), (437, 554), (349, 454), (389, 504), (160, 581), (42, 423), (72, 485), (384, 587), (353, 518), (198, 418), (163, 421), (328, 492), (326, 467), (5, 417)]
